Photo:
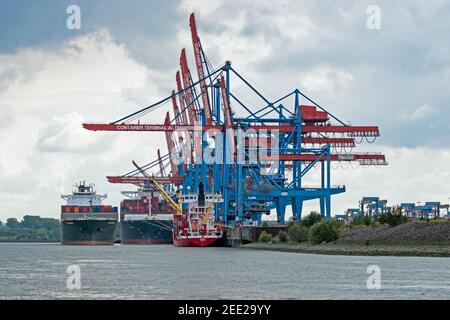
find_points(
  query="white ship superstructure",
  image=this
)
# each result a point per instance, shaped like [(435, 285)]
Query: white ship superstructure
[(84, 195)]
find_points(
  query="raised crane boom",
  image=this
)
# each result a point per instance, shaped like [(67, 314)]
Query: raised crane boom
[(176, 111), (184, 119), (185, 75), (199, 64), (171, 147)]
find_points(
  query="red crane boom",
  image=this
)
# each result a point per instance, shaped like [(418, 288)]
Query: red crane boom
[(200, 72), (170, 146), (185, 74), (176, 111), (184, 119), (308, 157), (137, 180), (371, 131)]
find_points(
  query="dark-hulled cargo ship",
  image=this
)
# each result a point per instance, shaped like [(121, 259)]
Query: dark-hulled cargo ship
[(145, 218), (84, 220)]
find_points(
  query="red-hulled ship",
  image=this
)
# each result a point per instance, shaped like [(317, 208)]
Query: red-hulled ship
[(197, 227)]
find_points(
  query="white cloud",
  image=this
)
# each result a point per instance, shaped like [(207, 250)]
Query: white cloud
[(80, 75), (289, 18), (413, 174), (200, 7), (324, 49), (423, 111), (227, 44), (6, 119), (45, 95), (326, 79), (65, 134)]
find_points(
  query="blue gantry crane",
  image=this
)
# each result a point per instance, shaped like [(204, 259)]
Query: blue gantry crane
[(256, 155), (373, 207)]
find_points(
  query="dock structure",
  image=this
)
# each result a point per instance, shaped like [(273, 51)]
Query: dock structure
[(373, 207), (254, 151)]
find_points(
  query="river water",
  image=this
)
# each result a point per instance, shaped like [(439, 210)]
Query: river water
[(39, 271)]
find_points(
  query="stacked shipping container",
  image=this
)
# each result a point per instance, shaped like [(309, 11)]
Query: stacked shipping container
[(87, 209)]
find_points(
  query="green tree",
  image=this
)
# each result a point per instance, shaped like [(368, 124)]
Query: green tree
[(393, 217), (36, 222), (31, 222), (12, 223), (290, 224), (357, 221), (382, 218), (324, 231), (311, 219), (31, 228), (283, 236), (41, 234), (298, 233), (265, 237)]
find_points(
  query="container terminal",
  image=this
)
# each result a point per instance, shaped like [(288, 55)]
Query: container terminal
[(373, 207), (246, 159)]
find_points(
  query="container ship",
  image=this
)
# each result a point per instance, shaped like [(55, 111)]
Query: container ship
[(197, 227), (145, 218), (84, 220)]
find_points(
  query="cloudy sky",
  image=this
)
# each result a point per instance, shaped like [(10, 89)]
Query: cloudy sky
[(126, 54)]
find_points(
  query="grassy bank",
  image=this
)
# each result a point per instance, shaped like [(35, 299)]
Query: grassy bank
[(355, 249), (420, 238)]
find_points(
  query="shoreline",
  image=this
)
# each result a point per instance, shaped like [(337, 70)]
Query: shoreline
[(29, 241), (350, 249)]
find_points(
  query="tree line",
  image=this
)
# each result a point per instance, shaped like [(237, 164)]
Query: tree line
[(30, 228)]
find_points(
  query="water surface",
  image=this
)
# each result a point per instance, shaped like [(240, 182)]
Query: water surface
[(38, 271)]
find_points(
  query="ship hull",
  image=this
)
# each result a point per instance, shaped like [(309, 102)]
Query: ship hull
[(146, 232), (88, 232), (88, 242), (195, 242)]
